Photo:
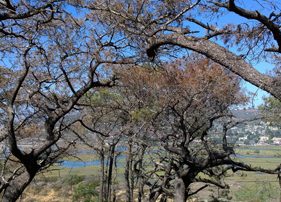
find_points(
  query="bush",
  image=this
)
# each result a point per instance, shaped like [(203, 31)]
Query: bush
[(224, 196), (73, 179), (86, 192), (256, 151)]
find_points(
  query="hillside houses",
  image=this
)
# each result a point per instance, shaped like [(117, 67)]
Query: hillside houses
[(276, 140), (252, 130)]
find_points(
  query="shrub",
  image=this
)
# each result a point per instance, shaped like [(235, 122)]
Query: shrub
[(86, 192), (256, 151), (73, 179)]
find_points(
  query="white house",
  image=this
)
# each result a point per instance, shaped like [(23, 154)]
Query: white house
[(276, 140)]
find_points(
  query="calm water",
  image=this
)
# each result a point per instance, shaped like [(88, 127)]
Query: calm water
[(80, 164)]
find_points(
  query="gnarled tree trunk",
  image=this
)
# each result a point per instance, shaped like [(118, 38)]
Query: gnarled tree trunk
[(16, 187)]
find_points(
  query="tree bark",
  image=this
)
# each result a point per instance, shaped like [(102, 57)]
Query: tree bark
[(102, 177), (140, 176), (16, 187), (222, 56), (180, 190), (109, 173), (128, 176)]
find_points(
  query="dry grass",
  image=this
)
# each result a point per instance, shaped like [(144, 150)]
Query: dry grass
[(46, 195)]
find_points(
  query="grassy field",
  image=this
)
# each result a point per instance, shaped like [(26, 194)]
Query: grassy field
[(252, 186), (244, 186)]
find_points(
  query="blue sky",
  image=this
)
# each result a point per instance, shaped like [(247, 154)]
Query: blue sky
[(228, 17), (257, 100), (261, 66)]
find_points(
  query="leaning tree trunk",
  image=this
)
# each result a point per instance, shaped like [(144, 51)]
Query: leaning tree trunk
[(140, 175), (110, 171), (16, 187), (129, 175), (102, 177)]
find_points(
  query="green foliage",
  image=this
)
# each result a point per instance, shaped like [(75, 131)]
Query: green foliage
[(223, 196), (271, 103), (73, 179), (103, 96), (251, 138), (142, 114), (86, 192), (247, 142), (272, 110), (256, 151), (257, 192)]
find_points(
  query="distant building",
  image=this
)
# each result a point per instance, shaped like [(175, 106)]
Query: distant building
[(276, 140), (263, 140), (242, 138), (273, 128)]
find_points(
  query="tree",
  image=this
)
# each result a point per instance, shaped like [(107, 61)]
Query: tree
[(271, 110), (202, 26), (200, 101), (104, 127), (56, 59), (121, 113), (56, 55), (185, 100), (17, 22)]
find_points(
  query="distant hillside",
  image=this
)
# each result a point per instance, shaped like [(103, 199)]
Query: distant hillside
[(247, 114)]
